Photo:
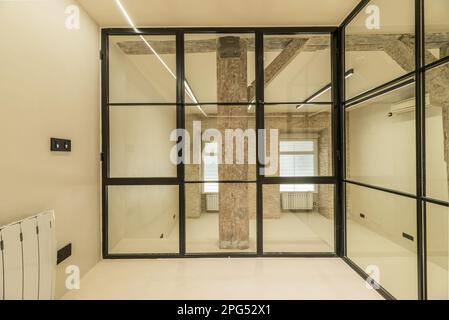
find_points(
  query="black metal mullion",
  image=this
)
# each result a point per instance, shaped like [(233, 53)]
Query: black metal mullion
[(154, 181), (420, 147), (260, 145), (374, 187), (436, 202), (338, 76), (380, 93), (360, 6), (299, 180), (105, 157), (390, 85), (180, 124)]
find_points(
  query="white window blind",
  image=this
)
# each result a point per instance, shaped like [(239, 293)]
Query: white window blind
[(210, 167), (297, 158)]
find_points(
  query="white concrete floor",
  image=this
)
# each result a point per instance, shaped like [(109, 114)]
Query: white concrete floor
[(292, 232), (223, 279)]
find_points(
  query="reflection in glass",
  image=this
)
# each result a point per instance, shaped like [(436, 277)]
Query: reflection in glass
[(219, 67), (143, 219), (380, 141), (379, 44), (299, 219), (437, 132), (437, 252), (381, 238), (135, 133), (304, 141), (436, 29), (222, 220), (224, 135), (142, 69), (296, 67)]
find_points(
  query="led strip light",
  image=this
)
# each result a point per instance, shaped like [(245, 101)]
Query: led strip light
[(188, 89)]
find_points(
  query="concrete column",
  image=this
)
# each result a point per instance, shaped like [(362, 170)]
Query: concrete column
[(232, 87)]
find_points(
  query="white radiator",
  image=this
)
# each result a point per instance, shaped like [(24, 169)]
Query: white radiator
[(297, 200), (211, 202), (28, 258)]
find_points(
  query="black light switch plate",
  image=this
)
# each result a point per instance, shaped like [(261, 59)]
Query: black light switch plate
[(64, 253), (61, 145)]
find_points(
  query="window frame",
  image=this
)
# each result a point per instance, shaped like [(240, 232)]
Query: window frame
[(314, 153)]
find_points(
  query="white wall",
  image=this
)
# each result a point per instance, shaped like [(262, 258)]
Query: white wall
[(49, 87)]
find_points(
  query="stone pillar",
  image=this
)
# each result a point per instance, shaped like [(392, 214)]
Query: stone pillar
[(192, 173), (232, 87)]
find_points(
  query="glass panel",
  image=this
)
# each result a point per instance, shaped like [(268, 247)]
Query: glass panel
[(437, 132), (297, 68), (380, 44), (219, 67), (380, 141), (230, 133), (437, 29), (223, 221), (140, 141), (298, 140), (437, 252), (143, 219), (298, 220), (142, 69), (378, 227)]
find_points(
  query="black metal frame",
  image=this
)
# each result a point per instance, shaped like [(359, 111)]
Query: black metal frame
[(339, 105), (180, 104), (418, 77)]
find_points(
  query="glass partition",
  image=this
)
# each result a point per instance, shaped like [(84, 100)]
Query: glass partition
[(219, 67), (379, 44), (298, 218), (297, 67), (436, 29), (142, 69), (380, 141), (437, 252), (135, 132), (220, 217), (143, 219), (437, 130), (302, 145), (381, 238)]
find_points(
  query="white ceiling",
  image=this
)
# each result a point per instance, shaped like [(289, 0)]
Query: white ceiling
[(220, 12)]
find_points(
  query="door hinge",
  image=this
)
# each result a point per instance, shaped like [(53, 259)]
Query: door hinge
[(101, 55), (102, 156)]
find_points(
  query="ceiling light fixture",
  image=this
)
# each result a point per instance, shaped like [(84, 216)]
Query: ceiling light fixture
[(323, 90), (188, 90)]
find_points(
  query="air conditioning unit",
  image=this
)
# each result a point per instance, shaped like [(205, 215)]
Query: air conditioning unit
[(407, 106)]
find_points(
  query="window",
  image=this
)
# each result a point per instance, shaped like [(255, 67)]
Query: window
[(210, 167), (297, 158)]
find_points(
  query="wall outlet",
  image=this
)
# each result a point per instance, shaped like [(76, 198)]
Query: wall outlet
[(408, 236), (61, 145)]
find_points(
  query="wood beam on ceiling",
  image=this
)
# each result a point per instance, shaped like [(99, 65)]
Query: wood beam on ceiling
[(356, 42)]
